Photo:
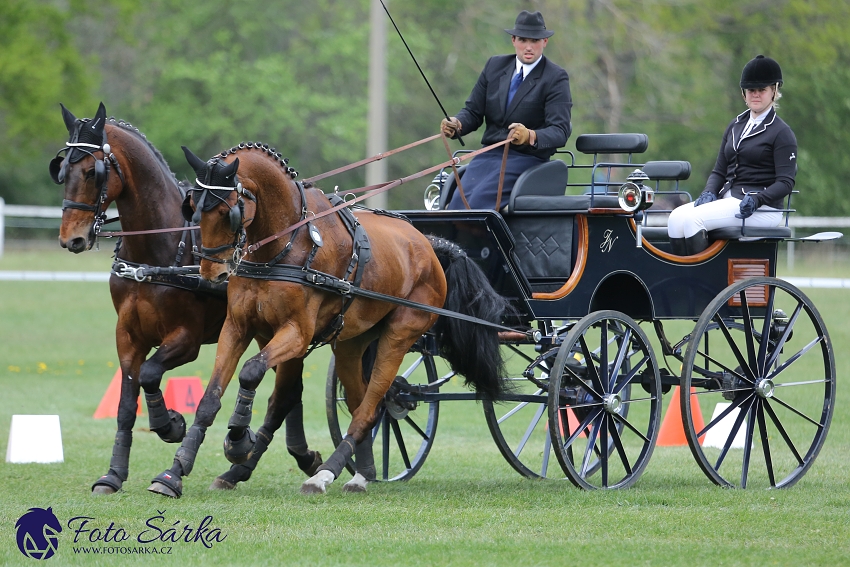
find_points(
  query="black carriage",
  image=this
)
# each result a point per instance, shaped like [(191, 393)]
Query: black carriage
[(586, 263)]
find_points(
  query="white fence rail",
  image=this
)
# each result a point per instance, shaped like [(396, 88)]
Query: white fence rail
[(31, 211)]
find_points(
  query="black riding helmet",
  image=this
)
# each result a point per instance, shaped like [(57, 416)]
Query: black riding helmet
[(761, 72)]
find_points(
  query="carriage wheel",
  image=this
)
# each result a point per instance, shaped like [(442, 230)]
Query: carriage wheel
[(404, 432), (598, 444), (519, 427), (761, 367)]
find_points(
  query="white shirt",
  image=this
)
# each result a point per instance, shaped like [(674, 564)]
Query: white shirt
[(526, 68)]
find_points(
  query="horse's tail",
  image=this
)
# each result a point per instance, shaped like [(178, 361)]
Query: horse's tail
[(471, 349)]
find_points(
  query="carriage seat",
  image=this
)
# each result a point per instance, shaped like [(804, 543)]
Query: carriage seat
[(738, 232), (655, 228)]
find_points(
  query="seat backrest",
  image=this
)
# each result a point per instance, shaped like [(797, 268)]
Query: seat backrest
[(449, 187), (545, 180), (612, 143)]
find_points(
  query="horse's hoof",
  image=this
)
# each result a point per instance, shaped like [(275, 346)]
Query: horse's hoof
[(109, 483), (314, 466), (160, 488), (318, 483), (175, 431), (167, 484), (239, 451), (356, 485), (221, 484)]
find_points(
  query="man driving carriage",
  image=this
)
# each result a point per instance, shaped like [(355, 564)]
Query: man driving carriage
[(525, 96)]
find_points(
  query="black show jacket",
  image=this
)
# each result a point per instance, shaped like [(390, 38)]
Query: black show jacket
[(764, 161)]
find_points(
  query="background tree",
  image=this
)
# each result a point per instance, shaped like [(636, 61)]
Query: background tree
[(294, 75)]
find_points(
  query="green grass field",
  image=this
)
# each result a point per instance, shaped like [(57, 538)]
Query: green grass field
[(465, 507)]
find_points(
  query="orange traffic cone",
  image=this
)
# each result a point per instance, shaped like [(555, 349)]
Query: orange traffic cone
[(108, 406), (572, 422), (672, 432), (182, 393)]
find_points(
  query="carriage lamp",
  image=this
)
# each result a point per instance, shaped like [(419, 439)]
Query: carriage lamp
[(634, 195), (432, 192)]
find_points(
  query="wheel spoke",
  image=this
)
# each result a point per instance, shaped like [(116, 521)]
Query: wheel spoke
[(734, 346), (625, 422), (732, 434), (785, 335), (518, 407), (765, 330), (794, 358), (381, 413), (603, 355), (400, 440), (413, 367), (581, 428), (547, 447), (603, 444), (748, 443), (627, 378), (765, 444), (416, 428), (801, 414), (386, 445), (748, 332), (732, 407), (618, 443), (621, 356), (534, 421), (591, 369), (724, 367), (782, 432), (591, 445)]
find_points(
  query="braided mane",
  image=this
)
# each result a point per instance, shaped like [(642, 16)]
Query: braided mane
[(270, 151)]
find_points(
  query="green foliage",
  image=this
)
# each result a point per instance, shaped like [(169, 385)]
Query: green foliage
[(294, 74)]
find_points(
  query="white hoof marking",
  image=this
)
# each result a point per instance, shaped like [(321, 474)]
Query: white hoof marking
[(356, 484), (318, 483)]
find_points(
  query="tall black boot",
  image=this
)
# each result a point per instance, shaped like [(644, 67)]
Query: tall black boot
[(696, 243), (678, 246)]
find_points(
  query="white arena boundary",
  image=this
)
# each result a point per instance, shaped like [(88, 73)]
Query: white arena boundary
[(27, 276)]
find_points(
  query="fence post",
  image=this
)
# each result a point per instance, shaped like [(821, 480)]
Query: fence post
[(2, 223)]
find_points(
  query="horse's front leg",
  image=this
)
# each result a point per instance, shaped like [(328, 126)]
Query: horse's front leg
[(284, 403), (232, 343), (179, 347), (119, 465), (288, 343)]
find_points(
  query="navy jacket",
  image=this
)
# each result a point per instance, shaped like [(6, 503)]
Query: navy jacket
[(765, 161), (542, 103)]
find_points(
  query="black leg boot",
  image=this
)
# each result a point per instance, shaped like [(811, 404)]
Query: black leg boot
[(678, 246), (696, 243)]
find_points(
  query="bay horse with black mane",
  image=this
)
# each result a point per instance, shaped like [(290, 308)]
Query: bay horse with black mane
[(294, 293), (107, 161)]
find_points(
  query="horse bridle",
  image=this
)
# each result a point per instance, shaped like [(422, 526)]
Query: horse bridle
[(58, 170), (236, 217)]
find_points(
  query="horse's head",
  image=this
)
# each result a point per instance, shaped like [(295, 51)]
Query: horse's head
[(223, 208), (84, 170)]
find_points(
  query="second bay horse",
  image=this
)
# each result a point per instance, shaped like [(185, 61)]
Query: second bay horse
[(275, 293)]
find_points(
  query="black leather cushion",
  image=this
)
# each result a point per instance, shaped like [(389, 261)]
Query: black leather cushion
[(563, 203), (667, 170), (735, 232), (612, 143)]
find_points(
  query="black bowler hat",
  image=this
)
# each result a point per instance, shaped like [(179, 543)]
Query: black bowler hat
[(530, 25)]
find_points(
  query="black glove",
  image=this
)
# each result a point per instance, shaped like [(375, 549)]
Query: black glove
[(748, 207), (705, 197)]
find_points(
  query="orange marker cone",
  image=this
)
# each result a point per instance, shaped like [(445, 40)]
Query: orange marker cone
[(572, 421), (108, 406), (182, 393), (672, 432)]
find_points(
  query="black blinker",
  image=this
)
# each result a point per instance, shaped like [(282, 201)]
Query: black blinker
[(57, 170), (99, 174), (235, 217), (186, 207)]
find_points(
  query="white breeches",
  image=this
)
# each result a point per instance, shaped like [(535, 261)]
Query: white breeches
[(687, 220)]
